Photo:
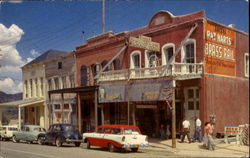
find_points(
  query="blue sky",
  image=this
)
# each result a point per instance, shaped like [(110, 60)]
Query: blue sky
[(30, 28)]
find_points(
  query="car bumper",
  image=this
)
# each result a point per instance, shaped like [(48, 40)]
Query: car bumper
[(129, 146), (74, 140)]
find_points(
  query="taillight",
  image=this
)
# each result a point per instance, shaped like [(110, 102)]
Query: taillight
[(123, 138), (146, 139)]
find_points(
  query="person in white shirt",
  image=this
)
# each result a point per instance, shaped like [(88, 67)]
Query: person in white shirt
[(186, 130), (197, 133)]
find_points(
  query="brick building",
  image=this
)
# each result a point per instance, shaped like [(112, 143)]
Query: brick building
[(199, 62)]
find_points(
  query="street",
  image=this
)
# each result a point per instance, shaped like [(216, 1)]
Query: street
[(24, 150)]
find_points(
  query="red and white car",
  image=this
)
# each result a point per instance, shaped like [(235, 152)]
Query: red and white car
[(116, 137)]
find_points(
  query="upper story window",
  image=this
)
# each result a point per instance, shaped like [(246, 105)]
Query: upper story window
[(246, 64), (84, 75), (37, 87), (26, 89), (72, 81), (152, 59), (31, 88), (59, 65), (190, 51), (41, 80), (167, 53), (135, 60), (50, 84), (56, 80)]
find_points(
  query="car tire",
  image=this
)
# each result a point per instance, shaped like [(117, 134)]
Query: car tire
[(14, 139), (58, 142), (134, 149), (40, 141), (88, 144), (77, 144), (111, 147)]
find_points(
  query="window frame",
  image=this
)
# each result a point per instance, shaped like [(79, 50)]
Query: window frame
[(164, 53), (132, 62), (184, 50)]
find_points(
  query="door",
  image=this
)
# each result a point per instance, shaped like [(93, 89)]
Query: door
[(191, 107)]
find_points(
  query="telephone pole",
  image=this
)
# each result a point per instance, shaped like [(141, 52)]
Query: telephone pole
[(103, 16)]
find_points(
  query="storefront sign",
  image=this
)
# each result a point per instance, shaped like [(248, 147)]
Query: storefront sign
[(144, 42), (219, 49), (140, 90)]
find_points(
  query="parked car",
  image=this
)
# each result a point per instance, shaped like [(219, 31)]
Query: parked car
[(116, 137), (6, 132), (62, 133), (28, 133)]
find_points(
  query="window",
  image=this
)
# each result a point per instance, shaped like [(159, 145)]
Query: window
[(57, 106), (64, 82), (41, 86), (168, 52), (152, 59), (131, 131), (106, 130), (27, 129), (50, 84), (56, 83), (193, 97), (116, 131), (247, 64), (99, 130), (59, 65), (26, 88), (37, 87), (66, 106), (72, 81), (84, 75), (31, 88), (190, 53), (135, 61)]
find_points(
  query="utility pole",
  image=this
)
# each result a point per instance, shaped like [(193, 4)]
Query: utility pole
[(173, 117), (103, 16)]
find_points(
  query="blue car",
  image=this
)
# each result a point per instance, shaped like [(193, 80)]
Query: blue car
[(61, 133)]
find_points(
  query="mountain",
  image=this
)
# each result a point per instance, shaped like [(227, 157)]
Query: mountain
[(10, 97)]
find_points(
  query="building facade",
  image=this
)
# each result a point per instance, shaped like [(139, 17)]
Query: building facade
[(181, 58)]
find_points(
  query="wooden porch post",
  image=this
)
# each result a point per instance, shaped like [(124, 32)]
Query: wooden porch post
[(79, 112), (102, 108), (128, 111), (173, 117), (96, 112), (133, 114), (19, 117)]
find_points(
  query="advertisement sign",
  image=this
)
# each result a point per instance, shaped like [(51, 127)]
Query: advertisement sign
[(219, 50)]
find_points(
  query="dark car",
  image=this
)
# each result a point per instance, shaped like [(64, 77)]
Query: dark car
[(61, 133)]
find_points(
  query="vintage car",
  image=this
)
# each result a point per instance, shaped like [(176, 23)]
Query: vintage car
[(116, 137), (61, 133), (6, 132), (28, 133)]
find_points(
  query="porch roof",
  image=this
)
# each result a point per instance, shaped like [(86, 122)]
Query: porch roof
[(22, 103)]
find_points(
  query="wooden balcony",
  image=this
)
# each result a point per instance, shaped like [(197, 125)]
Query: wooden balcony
[(180, 71)]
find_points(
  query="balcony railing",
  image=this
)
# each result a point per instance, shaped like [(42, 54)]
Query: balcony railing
[(180, 71)]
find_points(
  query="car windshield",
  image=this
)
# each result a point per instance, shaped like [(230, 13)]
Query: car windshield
[(68, 127), (131, 131), (37, 129)]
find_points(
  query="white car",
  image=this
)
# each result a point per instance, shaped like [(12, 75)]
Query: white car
[(116, 137), (6, 132)]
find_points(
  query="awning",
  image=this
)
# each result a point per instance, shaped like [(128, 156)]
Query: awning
[(22, 103)]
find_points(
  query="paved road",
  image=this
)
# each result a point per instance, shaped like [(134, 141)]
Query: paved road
[(23, 150)]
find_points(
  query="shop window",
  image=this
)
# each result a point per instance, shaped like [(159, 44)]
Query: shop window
[(66, 106), (190, 93), (247, 64), (197, 93), (57, 106), (190, 105), (197, 105)]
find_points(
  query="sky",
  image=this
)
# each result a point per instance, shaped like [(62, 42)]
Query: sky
[(30, 28)]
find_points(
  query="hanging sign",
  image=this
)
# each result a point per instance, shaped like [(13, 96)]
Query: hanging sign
[(219, 50), (144, 42)]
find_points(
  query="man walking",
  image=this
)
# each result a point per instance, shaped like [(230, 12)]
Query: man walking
[(186, 130), (197, 133)]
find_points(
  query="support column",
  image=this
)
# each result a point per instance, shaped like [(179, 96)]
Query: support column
[(173, 117), (79, 112), (102, 111), (96, 111), (133, 115), (19, 117), (128, 113)]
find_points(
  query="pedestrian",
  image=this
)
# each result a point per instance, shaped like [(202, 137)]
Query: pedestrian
[(197, 133), (168, 133), (210, 142), (162, 132), (205, 137), (186, 130)]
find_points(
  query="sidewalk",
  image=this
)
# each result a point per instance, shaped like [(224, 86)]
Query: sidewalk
[(196, 149)]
